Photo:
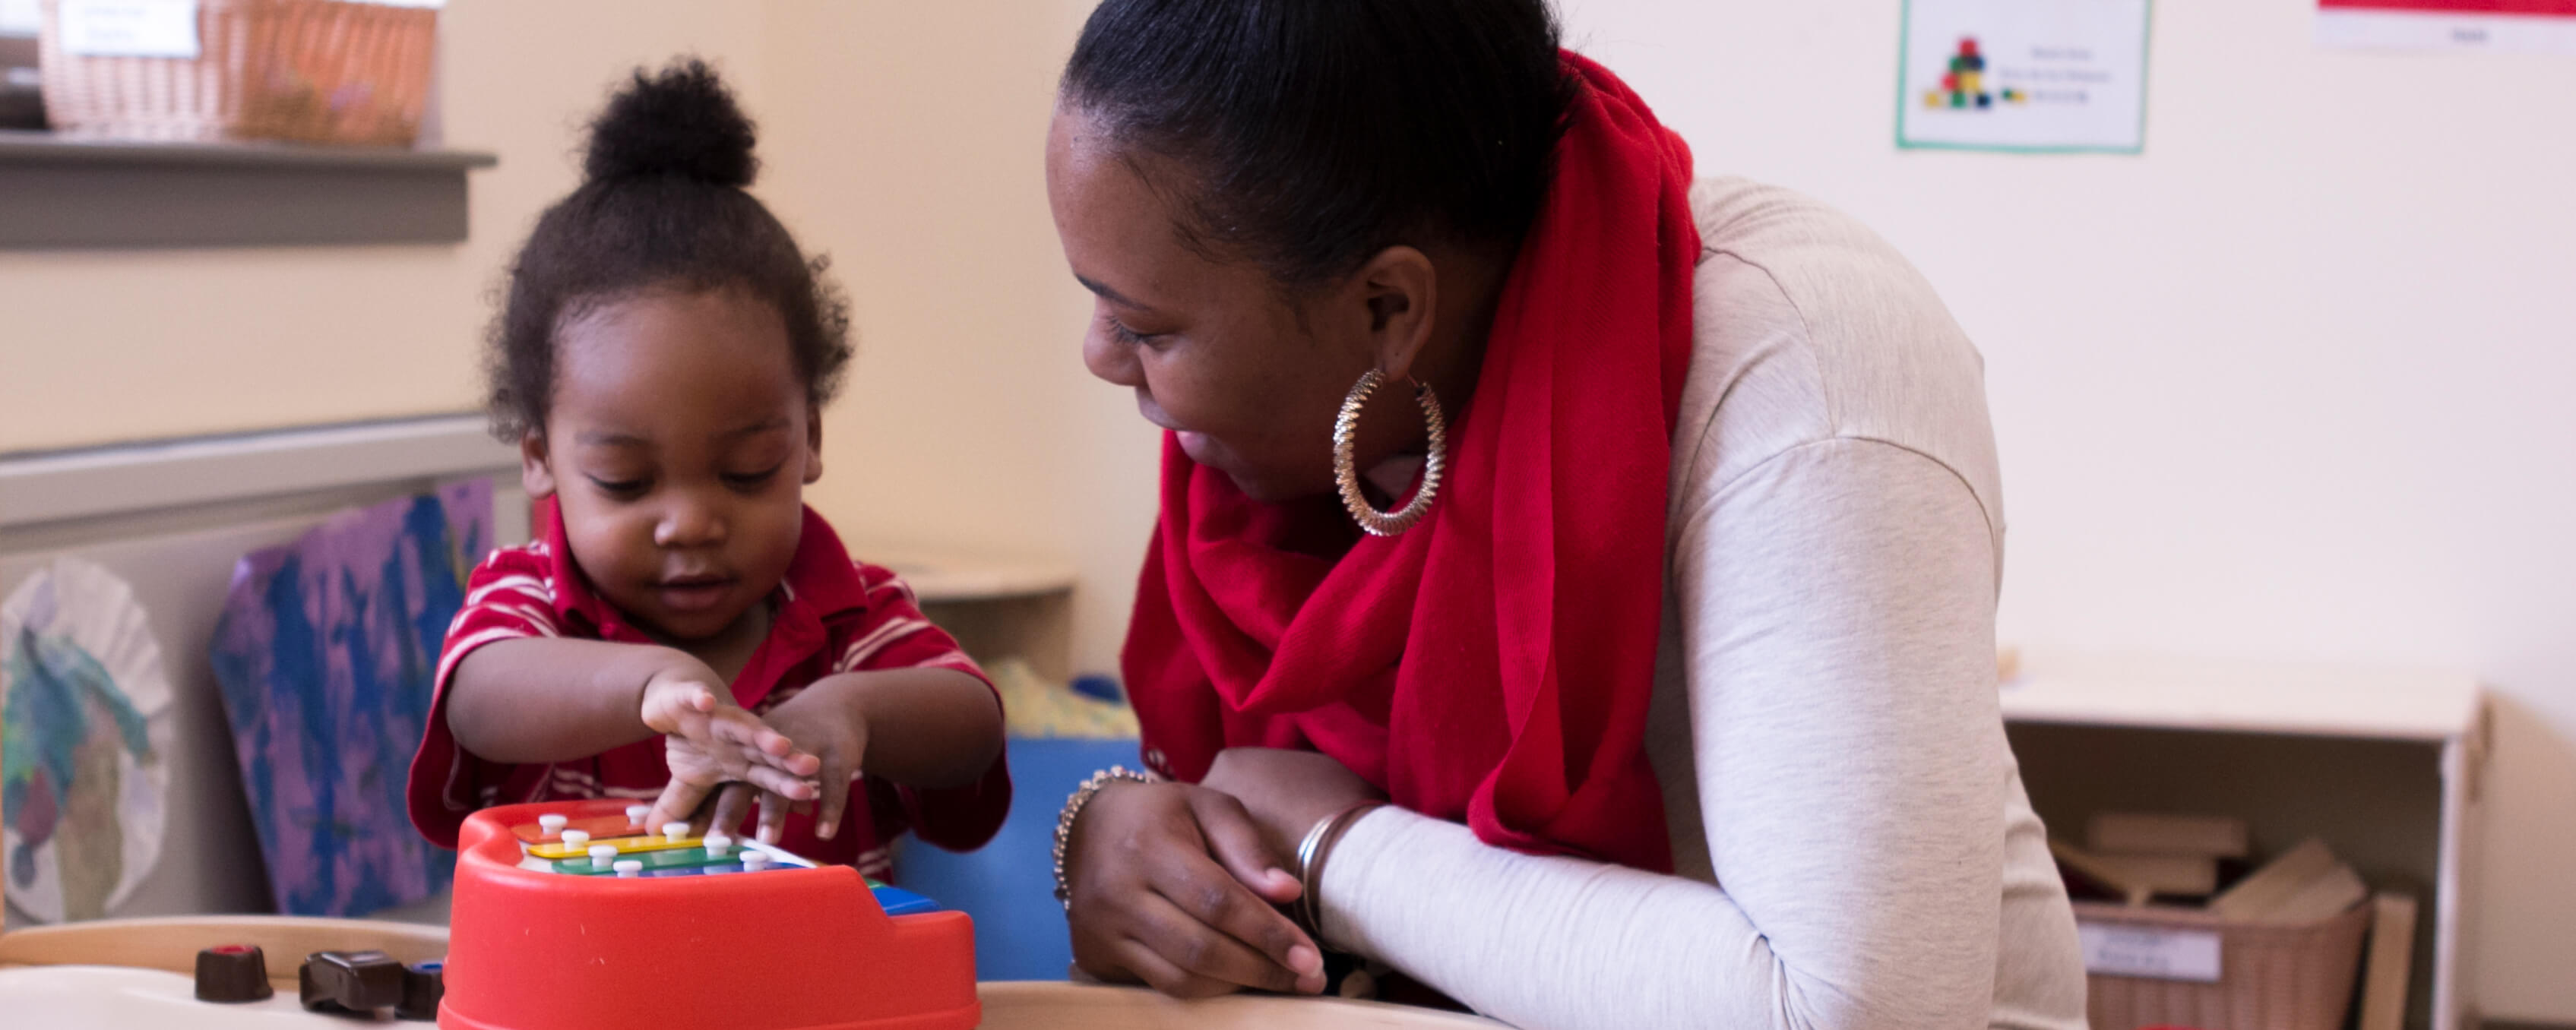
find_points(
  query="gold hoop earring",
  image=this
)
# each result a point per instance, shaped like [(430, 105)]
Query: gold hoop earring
[(1435, 464)]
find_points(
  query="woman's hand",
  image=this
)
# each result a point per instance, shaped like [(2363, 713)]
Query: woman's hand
[(1287, 792), (710, 741), (1173, 886)]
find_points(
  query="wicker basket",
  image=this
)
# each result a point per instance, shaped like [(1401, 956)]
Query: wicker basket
[(2272, 976), (324, 71)]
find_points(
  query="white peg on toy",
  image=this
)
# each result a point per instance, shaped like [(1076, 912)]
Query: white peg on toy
[(576, 839), (552, 823), (636, 813), (602, 854), (717, 844), (630, 868), (672, 832), (755, 860)]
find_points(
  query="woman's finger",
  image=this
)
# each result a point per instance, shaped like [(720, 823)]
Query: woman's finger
[(1236, 842), (1207, 893), (1139, 962), (1198, 948)]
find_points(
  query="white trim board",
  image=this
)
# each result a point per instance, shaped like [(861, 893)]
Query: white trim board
[(2450, 31), (2245, 697), (47, 487)]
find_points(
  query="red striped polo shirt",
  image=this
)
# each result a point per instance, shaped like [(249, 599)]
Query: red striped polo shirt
[(831, 615)]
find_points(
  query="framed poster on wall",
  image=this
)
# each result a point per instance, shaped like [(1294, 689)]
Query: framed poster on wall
[(2029, 76)]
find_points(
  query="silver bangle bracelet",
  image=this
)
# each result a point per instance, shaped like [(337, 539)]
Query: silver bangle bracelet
[(1073, 806), (1311, 853)]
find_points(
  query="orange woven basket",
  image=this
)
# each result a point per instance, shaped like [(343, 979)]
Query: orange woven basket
[(321, 71), (2272, 976)]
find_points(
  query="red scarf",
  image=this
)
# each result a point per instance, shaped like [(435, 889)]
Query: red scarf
[(1493, 664)]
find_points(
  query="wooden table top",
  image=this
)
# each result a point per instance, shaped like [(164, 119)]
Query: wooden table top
[(162, 953)]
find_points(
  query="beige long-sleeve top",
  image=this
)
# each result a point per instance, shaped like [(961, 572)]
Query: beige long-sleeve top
[(1852, 842)]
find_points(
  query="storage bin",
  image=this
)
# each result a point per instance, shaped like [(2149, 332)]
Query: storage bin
[(2271, 976), (322, 71)]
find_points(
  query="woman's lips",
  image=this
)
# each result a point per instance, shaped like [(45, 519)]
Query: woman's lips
[(1196, 445)]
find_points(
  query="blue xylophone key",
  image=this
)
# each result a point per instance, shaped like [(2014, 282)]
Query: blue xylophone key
[(900, 902)]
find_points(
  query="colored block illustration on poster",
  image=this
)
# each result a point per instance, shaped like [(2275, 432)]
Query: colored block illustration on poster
[(2032, 76), (85, 707), (2502, 26), (325, 654)]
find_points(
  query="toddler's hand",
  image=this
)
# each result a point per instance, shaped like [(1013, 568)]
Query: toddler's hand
[(825, 719), (710, 741)]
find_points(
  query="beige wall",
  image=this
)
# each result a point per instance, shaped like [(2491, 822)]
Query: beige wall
[(907, 140), (2288, 385), (903, 139), (104, 346), (2291, 384)]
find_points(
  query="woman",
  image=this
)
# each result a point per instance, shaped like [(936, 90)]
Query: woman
[(1637, 541)]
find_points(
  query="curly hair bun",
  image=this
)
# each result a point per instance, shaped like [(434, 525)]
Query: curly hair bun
[(680, 121)]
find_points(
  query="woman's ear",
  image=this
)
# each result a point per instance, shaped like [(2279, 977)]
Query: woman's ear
[(1401, 291), (535, 474), (813, 445)]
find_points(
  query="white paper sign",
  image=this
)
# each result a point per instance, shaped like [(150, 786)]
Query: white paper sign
[(2115, 949), (130, 28), (2476, 26), (2024, 75)]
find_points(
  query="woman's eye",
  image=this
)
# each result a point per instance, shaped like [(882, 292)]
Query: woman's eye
[(619, 487), (1118, 330)]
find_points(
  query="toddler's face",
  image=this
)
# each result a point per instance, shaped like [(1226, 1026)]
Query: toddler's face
[(678, 444)]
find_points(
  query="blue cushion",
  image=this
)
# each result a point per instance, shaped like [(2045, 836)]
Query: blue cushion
[(1009, 884)]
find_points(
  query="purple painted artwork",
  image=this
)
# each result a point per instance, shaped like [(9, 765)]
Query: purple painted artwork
[(325, 653)]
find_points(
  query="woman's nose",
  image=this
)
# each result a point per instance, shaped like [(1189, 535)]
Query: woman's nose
[(1111, 359), (689, 521)]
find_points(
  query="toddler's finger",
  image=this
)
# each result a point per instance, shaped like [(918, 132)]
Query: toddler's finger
[(762, 744), (732, 804), (773, 817), (788, 788), (835, 785), (679, 799)]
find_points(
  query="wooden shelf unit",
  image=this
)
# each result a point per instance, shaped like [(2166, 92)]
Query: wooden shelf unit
[(2385, 764)]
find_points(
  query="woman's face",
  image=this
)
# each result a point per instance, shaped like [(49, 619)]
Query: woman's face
[(1215, 350)]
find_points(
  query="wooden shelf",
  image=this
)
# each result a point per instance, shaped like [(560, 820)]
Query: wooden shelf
[(997, 608), (59, 192), (950, 579)]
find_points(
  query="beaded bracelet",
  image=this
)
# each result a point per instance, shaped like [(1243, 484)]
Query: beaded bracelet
[(1073, 805)]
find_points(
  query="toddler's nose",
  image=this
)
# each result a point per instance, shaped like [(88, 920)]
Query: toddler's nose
[(689, 523)]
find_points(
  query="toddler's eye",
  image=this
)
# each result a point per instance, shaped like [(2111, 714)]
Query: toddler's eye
[(618, 487), (751, 480)]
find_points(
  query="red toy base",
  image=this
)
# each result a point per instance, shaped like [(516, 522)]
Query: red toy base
[(787, 949)]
